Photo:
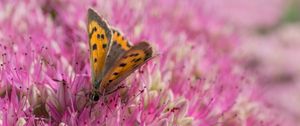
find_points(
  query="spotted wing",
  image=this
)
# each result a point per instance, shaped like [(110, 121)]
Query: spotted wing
[(100, 36), (119, 46), (125, 65)]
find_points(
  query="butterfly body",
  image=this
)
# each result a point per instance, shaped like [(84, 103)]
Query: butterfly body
[(112, 57)]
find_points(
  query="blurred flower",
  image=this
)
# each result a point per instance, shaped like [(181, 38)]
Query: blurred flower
[(247, 14), (193, 80), (273, 58)]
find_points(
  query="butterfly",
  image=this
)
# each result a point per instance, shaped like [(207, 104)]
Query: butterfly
[(112, 57)]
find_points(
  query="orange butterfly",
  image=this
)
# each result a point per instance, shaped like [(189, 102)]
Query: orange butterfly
[(112, 57)]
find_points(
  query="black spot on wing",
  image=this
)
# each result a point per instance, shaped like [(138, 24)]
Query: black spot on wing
[(122, 64), (133, 54), (136, 60), (95, 60), (104, 46), (115, 73), (94, 46), (100, 36)]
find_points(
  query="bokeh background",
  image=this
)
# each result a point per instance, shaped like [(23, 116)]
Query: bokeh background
[(218, 62)]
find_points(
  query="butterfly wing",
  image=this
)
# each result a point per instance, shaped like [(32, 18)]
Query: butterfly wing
[(119, 46), (125, 65), (100, 36)]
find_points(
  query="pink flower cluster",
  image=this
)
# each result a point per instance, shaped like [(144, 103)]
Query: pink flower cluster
[(193, 80)]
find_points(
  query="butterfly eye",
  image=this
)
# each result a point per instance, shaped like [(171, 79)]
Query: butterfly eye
[(94, 96)]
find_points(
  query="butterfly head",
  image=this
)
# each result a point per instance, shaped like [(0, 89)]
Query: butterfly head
[(94, 96)]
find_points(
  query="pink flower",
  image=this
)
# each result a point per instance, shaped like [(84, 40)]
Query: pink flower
[(193, 80)]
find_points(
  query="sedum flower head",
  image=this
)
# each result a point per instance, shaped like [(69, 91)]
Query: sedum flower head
[(193, 80)]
